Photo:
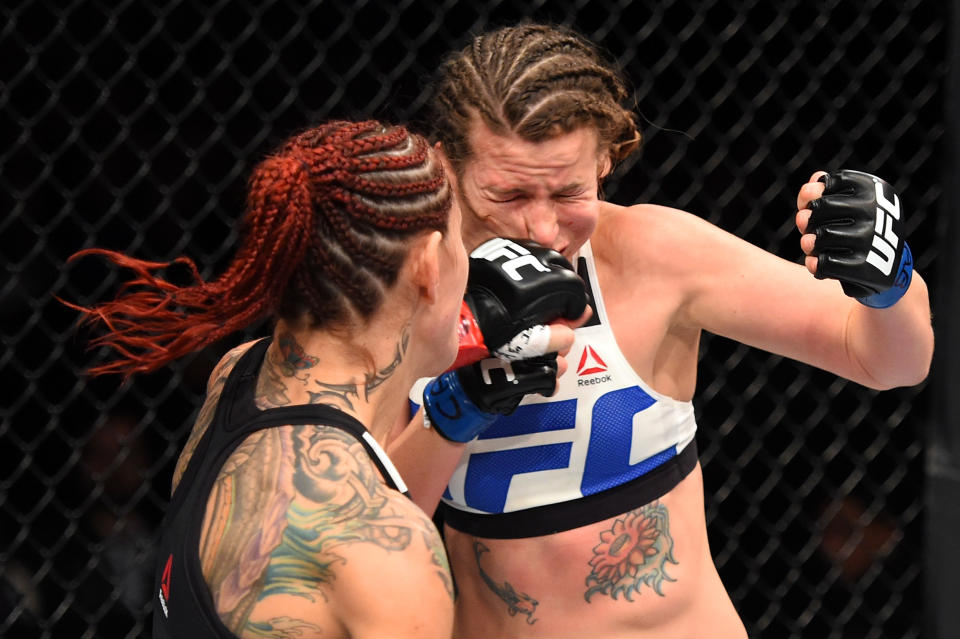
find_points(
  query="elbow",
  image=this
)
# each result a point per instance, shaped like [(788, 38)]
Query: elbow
[(921, 368), (909, 370)]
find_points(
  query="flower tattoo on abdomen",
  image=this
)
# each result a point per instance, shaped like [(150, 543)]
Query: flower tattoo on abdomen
[(633, 552)]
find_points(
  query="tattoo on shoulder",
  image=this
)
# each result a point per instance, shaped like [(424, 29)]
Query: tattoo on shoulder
[(438, 557), (634, 551), (218, 378), (271, 390), (339, 500), (284, 507), (517, 602)]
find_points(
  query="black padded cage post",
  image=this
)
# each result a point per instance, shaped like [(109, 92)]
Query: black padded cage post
[(942, 465)]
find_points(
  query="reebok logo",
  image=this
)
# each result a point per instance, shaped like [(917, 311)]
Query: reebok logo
[(165, 586), (590, 363)]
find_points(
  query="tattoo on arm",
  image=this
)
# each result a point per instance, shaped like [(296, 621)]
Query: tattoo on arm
[(633, 552), (284, 503), (517, 602), (282, 628), (438, 557)]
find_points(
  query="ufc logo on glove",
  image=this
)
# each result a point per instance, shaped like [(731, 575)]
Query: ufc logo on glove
[(516, 256), (858, 229), (885, 241)]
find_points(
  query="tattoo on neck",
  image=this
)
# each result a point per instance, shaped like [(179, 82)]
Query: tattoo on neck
[(337, 392), (374, 380), (292, 360), (292, 356), (271, 389)]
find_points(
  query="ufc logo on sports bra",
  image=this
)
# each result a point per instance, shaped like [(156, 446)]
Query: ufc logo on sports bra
[(885, 240), (606, 463), (515, 257)]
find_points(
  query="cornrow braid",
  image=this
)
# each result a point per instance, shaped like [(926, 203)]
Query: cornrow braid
[(535, 81), (330, 217)]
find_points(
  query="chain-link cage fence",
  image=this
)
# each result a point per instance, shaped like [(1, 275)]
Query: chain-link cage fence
[(133, 125)]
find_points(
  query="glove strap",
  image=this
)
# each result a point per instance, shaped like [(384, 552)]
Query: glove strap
[(472, 348), (892, 295), (450, 412)]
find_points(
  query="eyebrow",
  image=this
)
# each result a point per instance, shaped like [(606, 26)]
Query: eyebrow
[(571, 186)]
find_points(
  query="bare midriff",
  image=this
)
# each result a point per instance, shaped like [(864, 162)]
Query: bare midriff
[(646, 573)]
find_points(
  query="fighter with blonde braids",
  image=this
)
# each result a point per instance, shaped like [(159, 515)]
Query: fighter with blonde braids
[(287, 517), (584, 511)]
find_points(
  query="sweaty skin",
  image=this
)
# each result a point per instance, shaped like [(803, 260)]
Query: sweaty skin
[(694, 277)]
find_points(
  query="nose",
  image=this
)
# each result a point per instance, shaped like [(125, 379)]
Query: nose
[(541, 223)]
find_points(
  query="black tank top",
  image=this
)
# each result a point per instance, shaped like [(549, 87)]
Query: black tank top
[(183, 606)]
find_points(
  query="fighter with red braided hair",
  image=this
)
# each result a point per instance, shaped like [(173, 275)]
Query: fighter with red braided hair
[(287, 517)]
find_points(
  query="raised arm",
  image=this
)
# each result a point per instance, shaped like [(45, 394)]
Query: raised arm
[(734, 289), (889, 332)]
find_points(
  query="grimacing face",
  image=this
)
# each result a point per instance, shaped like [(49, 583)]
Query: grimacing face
[(544, 191)]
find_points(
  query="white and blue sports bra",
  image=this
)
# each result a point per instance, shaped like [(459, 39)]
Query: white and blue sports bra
[(603, 444)]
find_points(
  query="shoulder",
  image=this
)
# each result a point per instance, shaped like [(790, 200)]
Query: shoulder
[(388, 568), (225, 366), (661, 250), (215, 384), (653, 235), (304, 513)]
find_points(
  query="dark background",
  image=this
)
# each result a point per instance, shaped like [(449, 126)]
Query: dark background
[(134, 125)]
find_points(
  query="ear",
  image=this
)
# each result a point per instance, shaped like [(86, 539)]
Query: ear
[(604, 165), (424, 263)]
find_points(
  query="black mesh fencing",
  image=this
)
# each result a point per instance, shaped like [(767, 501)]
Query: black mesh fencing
[(133, 126)]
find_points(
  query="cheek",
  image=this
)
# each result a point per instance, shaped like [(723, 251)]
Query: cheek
[(581, 218)]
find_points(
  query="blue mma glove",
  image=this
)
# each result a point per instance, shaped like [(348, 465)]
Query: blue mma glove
[(461, 403)]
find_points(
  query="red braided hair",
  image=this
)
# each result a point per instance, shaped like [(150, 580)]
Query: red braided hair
[(328, 223)]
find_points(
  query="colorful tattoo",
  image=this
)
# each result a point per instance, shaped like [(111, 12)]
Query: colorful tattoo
[(438, 557), (290, 499), (634, 551), (271, 390), (218, 379), (284, 503), (293, 356), (517, 602)]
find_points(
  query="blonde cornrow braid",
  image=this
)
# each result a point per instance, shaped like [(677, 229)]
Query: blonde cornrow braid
[(534, 81)]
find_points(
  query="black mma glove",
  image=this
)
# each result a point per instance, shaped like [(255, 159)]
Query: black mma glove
[(860, 242), (515, 285), (461, 403)]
